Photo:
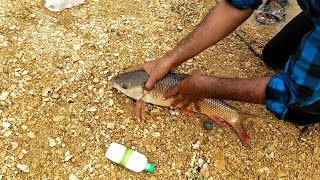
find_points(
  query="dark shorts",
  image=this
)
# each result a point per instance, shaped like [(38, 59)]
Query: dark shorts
[(276, 54)]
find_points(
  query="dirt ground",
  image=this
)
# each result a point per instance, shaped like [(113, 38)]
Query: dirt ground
[(59, 113)]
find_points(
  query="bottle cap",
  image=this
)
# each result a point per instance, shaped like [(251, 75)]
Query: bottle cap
[(149, 167)]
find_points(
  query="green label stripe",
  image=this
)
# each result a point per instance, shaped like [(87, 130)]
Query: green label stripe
[(126, 156)]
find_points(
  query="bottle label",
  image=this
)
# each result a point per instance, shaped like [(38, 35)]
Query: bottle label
[(126, 157)]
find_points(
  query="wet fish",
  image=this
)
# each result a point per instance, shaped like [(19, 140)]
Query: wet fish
[(132, 85)]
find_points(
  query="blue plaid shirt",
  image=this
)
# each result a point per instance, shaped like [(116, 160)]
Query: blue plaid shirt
[(299, 84)]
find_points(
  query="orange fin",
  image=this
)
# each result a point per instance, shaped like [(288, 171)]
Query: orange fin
[(187, 112), (218, 120), (140, 105), (240, 130)]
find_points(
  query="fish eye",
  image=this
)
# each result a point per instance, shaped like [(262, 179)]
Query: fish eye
[(124, 86)]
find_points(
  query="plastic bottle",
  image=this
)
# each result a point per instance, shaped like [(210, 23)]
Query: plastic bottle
[(60, 5), (128, 158)]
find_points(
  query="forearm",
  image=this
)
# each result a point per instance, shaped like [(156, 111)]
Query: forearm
[(219, 22), (244, 90)]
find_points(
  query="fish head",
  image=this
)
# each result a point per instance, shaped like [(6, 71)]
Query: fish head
[(131, 83)]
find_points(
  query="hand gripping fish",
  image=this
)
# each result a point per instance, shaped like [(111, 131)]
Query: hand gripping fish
[(132, 85)]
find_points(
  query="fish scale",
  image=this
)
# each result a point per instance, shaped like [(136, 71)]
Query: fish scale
[(132, 84)]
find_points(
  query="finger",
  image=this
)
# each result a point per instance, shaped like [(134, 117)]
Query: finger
[(171, 92), (135, 68), (197, 106), (196, 71), (185, 104), (150, 83), (177, 101)]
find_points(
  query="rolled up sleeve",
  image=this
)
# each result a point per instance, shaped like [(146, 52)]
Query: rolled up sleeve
[(299, 84), (245, 4)]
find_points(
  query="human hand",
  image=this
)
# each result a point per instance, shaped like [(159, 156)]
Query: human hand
[(191, 90), (157, 69)]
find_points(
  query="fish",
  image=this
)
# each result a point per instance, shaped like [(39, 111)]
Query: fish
[(132, 85)]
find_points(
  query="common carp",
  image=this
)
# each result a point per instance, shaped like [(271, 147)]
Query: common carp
[(132, 85)]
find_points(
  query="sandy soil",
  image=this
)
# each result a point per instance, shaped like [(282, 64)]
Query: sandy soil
[(59, 112)]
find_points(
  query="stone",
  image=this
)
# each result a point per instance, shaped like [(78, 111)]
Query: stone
[(5, 125), (73, 177), (220, 163), (24, 127), (58, 118), (92, 109), (7, 134), (14, 145), (110, 125), (31, 135), (110, 102), (280, 173), (45, 91), (52, 142), (23, 167), (96, 80), (156, 134), (4, 95)]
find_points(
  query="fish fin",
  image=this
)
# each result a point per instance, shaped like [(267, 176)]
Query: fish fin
[(241, 131), (140, 105), (187, 112), (218, 120)]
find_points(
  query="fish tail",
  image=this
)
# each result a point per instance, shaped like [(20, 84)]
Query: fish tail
[(240, 130)]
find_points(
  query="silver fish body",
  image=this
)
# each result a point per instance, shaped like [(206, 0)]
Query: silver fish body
[(132, 85)]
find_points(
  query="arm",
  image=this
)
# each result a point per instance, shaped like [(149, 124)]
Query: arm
[(219, 23), (198, 86)]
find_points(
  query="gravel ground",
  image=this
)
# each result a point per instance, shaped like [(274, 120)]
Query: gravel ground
[(59, 113)]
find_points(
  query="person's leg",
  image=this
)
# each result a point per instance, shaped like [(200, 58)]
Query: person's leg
[(278, 50)]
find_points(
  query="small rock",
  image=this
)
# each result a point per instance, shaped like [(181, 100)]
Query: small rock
[(92, 109), (5, 125), (261, 170), (110, 102), (45, 91), (4, 95), (153, 149), (67, 158), (58, 118), (52, 142), (110, 125), (73, 177), (23, 167), (196, 145), (7, 134), (76, 47), (24, 127), (208, 125), (75, 57), (96, 80), (156, 134), (14, 145), (115, 54), (55, 96), (200, 162), (280, 173), (155, 112), (31, 135)]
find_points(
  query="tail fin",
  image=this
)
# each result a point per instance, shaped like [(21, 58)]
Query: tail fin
[(240, 131)]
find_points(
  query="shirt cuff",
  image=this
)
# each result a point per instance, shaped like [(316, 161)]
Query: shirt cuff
[(245, 4), (277, 96)]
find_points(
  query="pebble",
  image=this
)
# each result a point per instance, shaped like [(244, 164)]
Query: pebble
[(24, 127), (76, 47), (73, 177), (280, 173), (31, 135), (14, 145), (110, 125), (45, 91), (52, 142), (156, 134), (220, 163), (208, 125), (58, 118), (7, 134), (96, 80), (23, 167), (110, 102), (92, 109), (5, 125), (4, 95)]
